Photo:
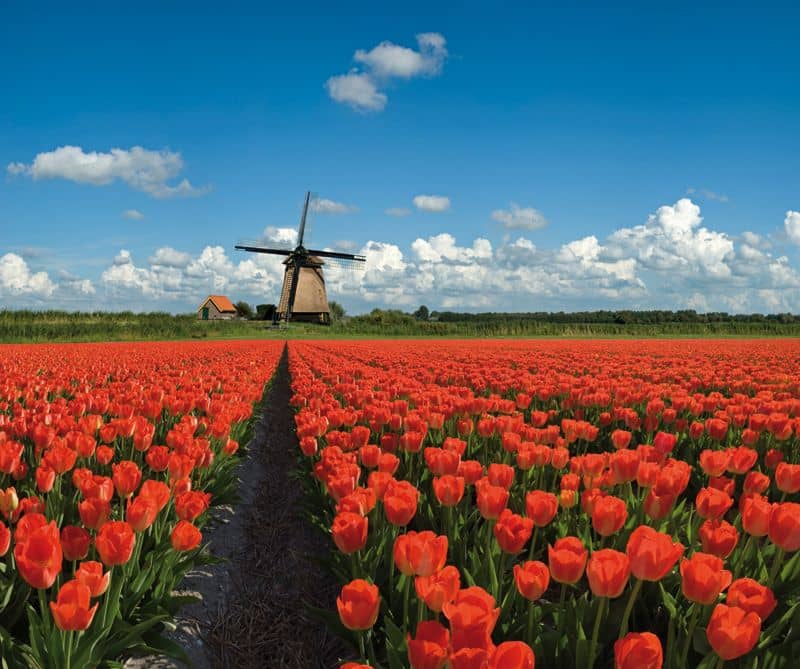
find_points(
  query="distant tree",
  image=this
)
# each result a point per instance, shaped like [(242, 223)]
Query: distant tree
[(422, 313), (243, 309), (264, 312), (337, 311)]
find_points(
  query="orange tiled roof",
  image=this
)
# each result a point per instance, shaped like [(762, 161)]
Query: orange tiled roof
[(221, 302)]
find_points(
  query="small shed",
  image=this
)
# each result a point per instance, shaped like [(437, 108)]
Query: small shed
[(216, 307)]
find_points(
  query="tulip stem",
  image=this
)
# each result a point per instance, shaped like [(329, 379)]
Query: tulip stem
[(406, 590), (623, 630), (533, 541), (531, 614), (720, 663), (776, 563), (361, 646), (687, 644), (601, 609)]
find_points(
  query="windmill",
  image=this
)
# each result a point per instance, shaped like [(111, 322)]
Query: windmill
[(303, 296)]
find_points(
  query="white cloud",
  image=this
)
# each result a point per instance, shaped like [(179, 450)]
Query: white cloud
[(432, 202), (360, 89), (283, 236), (133, 214), (16, 279), (391, 60), (516, 217), (398, 212), (356, 89), (325, 206), (792, 226), (166, 256), (142, 169)]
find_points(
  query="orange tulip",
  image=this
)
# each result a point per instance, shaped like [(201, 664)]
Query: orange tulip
[(703, 578), (5, 538), (751, 596), (652, 554), (787, 477), (75, 542), (609, 515), (126, 476), (94, 512), (718, 537), (449, 489), (91, 574), (472, 616), (784, 526), (638, 651), (532, 579), (115, 542), (469, 658), (567, 559), (39, 556), (71, 611), (428, 649), (491, 500), (608, 572), (712, 503), (756, 511), (420, 553), (512, 655), (358, 605), (185, 536), (714, 463), (732, 632), (541, 507), (439, 588), (400, 502), (512, 531), (349, 532)]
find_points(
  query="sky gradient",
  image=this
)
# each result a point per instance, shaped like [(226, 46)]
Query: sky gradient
[(523, 157)]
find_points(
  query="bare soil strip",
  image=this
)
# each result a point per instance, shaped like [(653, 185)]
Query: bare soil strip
[(262, 621)]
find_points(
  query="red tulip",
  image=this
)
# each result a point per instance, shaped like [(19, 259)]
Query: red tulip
[(541, 507), (608, 571), (185, 536), (703, 578), (358, 605), (784, 526), (609, 515), (732, 632), (652, 554), (91, 575), (512, 531), (39, 556), (638, 651), (439, 588), (512, 655), (428, 649), (71, 611), (718, 537), (75, 542), (532, 579), (349, 532), (115, 542), (751, 596), (567, 559)]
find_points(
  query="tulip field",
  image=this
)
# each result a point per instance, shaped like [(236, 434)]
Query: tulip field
[(511, 504), (486, 504), (110, 457)]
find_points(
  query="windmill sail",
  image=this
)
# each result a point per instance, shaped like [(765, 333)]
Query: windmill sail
[(303, 296)]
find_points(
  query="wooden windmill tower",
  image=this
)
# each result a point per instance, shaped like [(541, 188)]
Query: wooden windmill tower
[(303, 296)]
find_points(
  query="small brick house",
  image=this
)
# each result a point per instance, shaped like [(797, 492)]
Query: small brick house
[(216, 307)]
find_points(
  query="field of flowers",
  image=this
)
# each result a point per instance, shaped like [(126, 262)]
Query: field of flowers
[(110, 456), (500, 504)]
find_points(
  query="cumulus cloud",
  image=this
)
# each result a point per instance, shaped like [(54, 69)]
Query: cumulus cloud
[(792, 226), (523, 218), (133, 214), (281, 236), (166, 256), (435, 203), (141, 169), (397, 212), (360, 89), (16, 279), (357, 90), (325, 206)]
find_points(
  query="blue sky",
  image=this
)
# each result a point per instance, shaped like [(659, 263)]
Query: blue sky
[(650, 154)]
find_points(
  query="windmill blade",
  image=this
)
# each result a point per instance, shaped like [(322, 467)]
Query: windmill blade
[(335, 254), (342, 263), (303, 220), (261, 249)]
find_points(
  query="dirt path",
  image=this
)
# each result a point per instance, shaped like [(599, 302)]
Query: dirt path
[(263, 622), (251, 613)]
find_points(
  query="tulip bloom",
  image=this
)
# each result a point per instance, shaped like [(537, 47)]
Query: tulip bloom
[(71, 611), (349, 532), (532, 579), (428, 649), (567, 559), (541, 507), (400, 502), (439, 588), (39, 556), (472, 616), (420, 553), (512, 531), (751, 596), (91, 574), (608, 571), (185, 536), (784, 526), (609, 515), (94, 512), (714, 463), (358, 605), (115, 542), (703, 578), (638, 651), (787, 478), (491, 500), (652, 554), (712, 503), (756, 511), (732, 632), (75, 542), (5, 538), (449, 489), (512, 655), (126, 476), (718, 537)]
